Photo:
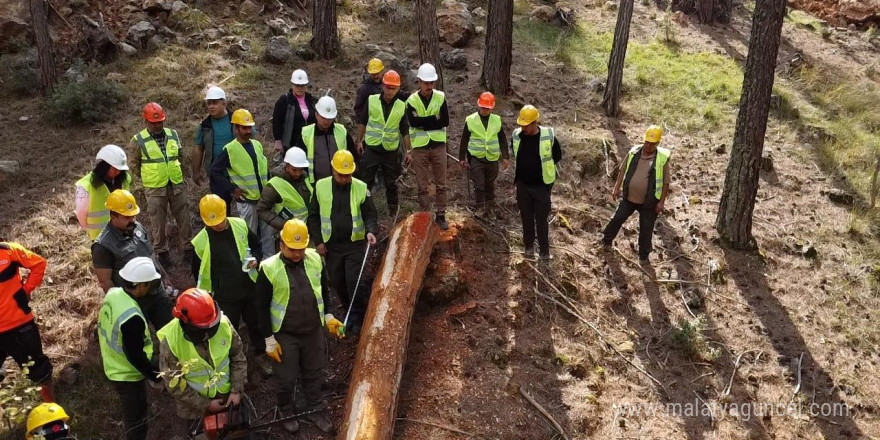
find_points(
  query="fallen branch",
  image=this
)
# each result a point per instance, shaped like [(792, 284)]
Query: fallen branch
[(436, 425), (711, 413), (797, 388), (544, 412), (733, 375), (671, 281), (605, 152), (686, 306)]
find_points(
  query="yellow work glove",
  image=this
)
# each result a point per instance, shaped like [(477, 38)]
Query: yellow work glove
[(273, 349), (334, 326)]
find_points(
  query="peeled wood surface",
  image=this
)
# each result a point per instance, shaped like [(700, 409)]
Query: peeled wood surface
[(378, 366)]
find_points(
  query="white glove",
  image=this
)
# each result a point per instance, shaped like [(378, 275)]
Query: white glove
[(271, 343)]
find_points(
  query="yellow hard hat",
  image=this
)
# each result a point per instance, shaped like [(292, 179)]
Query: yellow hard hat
[(343, 162), (212, 209), (375, 66), (44, 414), (295, 234), (527, 115), (243, 117), (122, 202), (653, 134)]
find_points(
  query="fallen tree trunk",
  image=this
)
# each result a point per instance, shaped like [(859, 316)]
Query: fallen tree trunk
[(378, 366)]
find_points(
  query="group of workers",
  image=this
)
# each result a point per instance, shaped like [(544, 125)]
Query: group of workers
[(300, 231)]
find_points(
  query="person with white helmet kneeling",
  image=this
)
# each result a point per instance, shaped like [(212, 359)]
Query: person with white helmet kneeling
[(323, 139)]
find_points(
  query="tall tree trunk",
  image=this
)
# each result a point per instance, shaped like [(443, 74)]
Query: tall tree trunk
[(429, 37), (40, 19), (706, 11), (611, 100), (499, 47), (325, 36), (734, 222)]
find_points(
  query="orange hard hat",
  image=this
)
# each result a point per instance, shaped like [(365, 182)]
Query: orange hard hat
[(153, 112), (391, 78), (195, 306), (487, 100)]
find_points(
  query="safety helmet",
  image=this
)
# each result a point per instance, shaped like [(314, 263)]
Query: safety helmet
[(653, 134), (139, 270), (122, 202), (215, 92), (527, 115), (391, 78), (487, 100), (44, 414), (243, 117), (326, 107), (295, 234), (114, 156), (196, 307), (296, 157), (427, 73), (153, 112), (343, 162), (375, 66), (212, 208), (299, 77)]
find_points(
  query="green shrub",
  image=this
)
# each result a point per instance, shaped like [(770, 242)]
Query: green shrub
[(93, 100)]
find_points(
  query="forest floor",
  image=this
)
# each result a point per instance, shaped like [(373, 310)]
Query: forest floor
[(609, 348)]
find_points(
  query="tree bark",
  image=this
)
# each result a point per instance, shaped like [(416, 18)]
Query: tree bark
[(40, 18), (499, 47), (611, 100), (325, 35), (734, 222), (429, 37), (706, 11)]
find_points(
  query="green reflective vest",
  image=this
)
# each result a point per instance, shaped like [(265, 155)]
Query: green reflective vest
[(483, 142), (117, 309), (202, 246), (381, 131), (548, 167), (276, 273), (157, 168), (99, 215), (241, 171), (419, 137), (324, 194), (208, 379), (308, 136), (292, 204), (659, 167)]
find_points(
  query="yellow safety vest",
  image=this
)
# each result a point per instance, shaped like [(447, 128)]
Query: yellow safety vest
[(381, 131), (548, 167), (419, 137), (158, 168), (308, 137), (292, 204), (483, 142), (99, 215), (208, 379), (117, 309), (276, 273), (324, 194), (202, 246), (659, 167), (241, 171)]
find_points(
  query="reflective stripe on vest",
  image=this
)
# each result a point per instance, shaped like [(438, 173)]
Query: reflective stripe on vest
[(483, 142), (308, 138), (324, 194), (241, 168), (381, 131), (202, 246), (545, 147), (208, 381), (99, 215), (276, 273), (117, 309), (419, 137), (158, 168), (659, 167), (292, 204)]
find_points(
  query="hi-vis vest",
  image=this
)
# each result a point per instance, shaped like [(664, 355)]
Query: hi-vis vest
[(117, 309), (548, 167), (419, 137), (324, 194), (308, 137), (209, 379), (276, 273), (292, 204), (659, 167), (483, 142), (158, 168), (202, 246), (99, 215), (381, 131), (241, 171)]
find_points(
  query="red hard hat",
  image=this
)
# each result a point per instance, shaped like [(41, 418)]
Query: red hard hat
[(391, 78), (153, 112), (195, 306), (487, 100)]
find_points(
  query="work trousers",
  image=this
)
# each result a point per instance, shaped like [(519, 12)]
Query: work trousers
[(534, 210), (343, 264), (304, 355), (245, 309), (133, 396), (156, 307), (647, 219), (430, 164), (483, 174), (266, 233), (389, 162), (24, 345), (159, 201)]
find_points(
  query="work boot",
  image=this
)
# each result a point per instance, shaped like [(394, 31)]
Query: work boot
[(290, 425), (440, 219), (322, 422), (546, 256), (165, 259), (529, 252)]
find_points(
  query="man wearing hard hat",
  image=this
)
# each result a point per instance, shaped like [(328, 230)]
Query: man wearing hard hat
[(483, 143), (643, 183), (110, 173), (372, 85), (293, 111), (287, 196), (214, 132), (324, 138), (48, 421), (536, 152)]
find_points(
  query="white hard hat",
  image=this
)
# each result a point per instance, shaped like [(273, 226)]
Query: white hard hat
[(326, 107), (114, 156), (296, 157), (427, 73), (139, 270), (299, 77), (215, 92)]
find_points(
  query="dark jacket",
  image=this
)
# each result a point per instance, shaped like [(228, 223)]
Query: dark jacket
[(280, 119)]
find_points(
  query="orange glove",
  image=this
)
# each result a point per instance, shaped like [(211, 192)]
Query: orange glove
[(273, 349)]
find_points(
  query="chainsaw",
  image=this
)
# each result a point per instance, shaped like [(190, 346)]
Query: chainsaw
[(238, 422)]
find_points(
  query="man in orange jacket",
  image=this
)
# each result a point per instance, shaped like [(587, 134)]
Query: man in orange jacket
[(19, 336)]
